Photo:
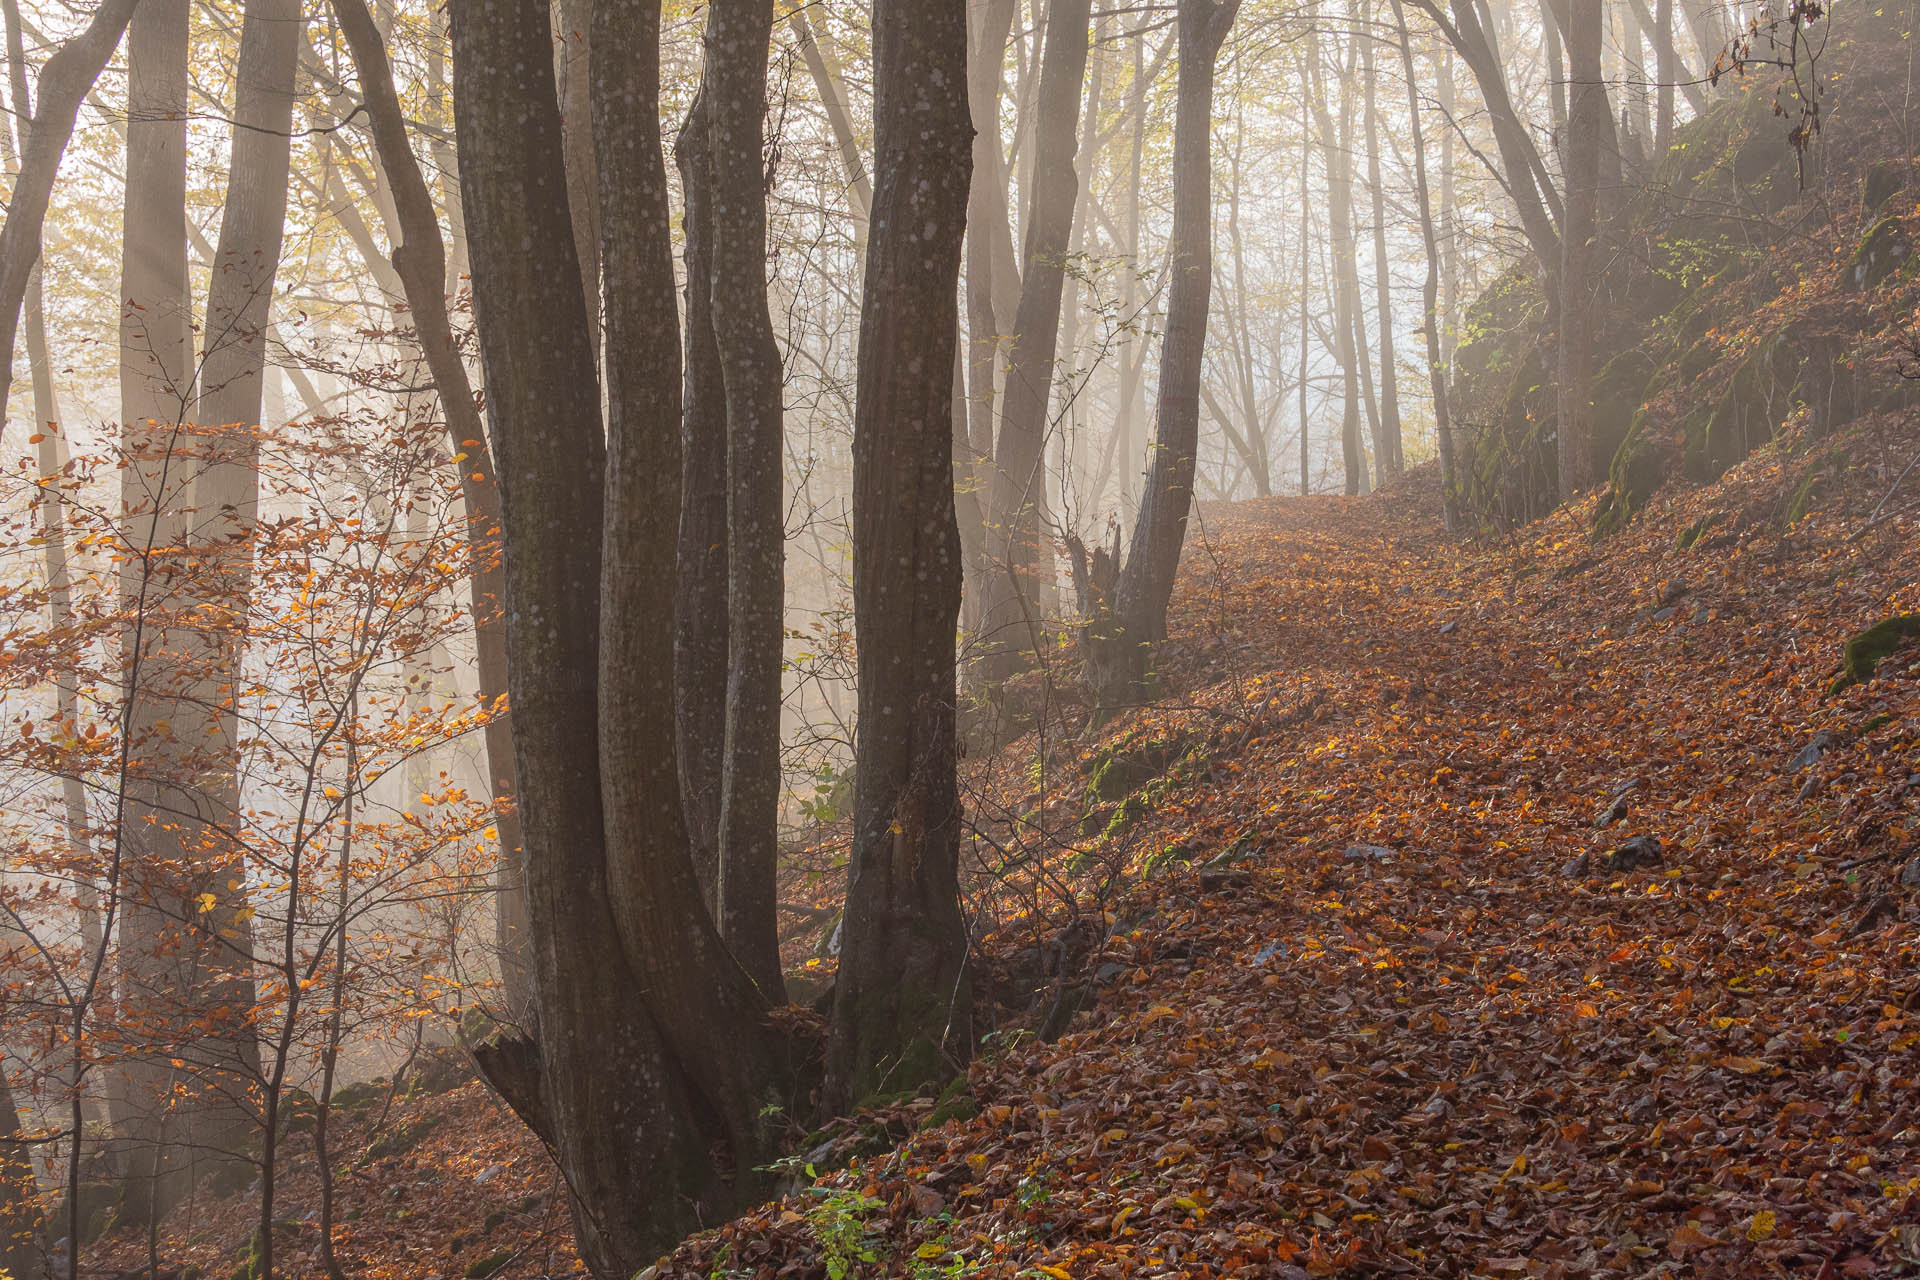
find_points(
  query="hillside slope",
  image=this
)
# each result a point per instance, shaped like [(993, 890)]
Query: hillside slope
[(1428, 1021)]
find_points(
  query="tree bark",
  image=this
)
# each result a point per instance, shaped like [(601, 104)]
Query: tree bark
[(901, 1010), (701, 625), (1587, 116), (65, 81), (420, 263), (619, 1107), (1120, 639), (1389, 446), (1018, 515), (738, 36), (1437, 372), (1340, 237)]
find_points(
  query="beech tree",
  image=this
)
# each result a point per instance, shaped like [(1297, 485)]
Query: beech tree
[(654, 1068)]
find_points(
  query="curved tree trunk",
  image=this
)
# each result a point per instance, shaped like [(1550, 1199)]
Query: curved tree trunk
[(420, 262)]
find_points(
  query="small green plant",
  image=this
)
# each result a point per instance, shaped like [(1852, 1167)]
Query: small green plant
[(839, 1223)]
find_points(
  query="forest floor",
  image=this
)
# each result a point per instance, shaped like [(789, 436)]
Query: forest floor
[(1394, 1000)]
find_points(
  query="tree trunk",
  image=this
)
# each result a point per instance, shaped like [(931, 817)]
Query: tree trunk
[(1389, 446), (1306, 264), (1119, 641), (1587, 116), (156, 378), (420, 263), (738, 36), (226, 504), (1430, 293), (616, 1105), (65, 81), (572, 56), (1340, 236), (701, 627), (902, 1004), (992, 283), (1018, 518)]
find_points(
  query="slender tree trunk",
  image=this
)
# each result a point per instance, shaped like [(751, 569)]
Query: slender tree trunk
[(738, 36), (991, 272), (1437, 372), (1667, 70), (1389, 448), (1340, 234), (1306, 264), (1587, 115), (1124, 630), (1018, 516), (901, 1002), (572, 55), (420, 264), (701, 640), (65, 81)]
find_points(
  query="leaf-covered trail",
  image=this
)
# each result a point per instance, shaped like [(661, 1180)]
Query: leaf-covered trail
[(1476, 1047)]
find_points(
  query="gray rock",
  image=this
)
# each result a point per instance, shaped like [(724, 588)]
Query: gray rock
[(1910, 874), (1578, 868), (1809, 789), (1641, 851), (1662, 615), (1613, 812), (1108, 972), (1816, 747), (1448, 628), (1268, 952), (1701, 614), (1369, 853)]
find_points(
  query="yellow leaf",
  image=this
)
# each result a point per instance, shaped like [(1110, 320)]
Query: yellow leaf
[(1761, 1228), (491, 833), (1058, 1273), (1114, 1135), (929, 1250), (205, 902)]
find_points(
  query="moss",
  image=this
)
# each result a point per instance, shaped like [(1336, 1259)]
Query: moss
[(1866, 649), (1618, 391), (1880, 721), (481, 1268), (1636, 473), (1803, 496), (955, 1103), (1883, 181), (401, 1138), (1756, 401), (1691, 535), (1882, 250)]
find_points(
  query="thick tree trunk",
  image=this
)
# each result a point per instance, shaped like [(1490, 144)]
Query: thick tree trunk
[(156, 381), (1587, 117), (1018, 518), (901, 1003), (1119, 642), (701, 642), (618, 1108), (421, 266), (572, 55), (738, 36)]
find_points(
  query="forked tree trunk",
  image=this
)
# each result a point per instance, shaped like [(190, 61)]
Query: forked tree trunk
[(603, 1085), (1119, 641), (738, 36), (902, 1001), (1017, 513)]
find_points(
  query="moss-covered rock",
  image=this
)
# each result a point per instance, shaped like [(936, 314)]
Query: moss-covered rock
[(1754, 404), (1882, 182), (481, 1268), (1868, 648), (1883, 250)]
